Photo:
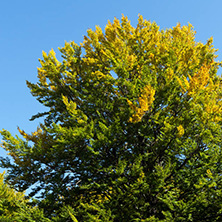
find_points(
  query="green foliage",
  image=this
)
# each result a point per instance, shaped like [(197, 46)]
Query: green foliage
[(132, 132), (14, 206)]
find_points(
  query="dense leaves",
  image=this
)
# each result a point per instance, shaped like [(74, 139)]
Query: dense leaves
[(133, 128), (14, 206)]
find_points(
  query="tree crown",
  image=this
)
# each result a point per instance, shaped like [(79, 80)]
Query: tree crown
[(133, 127)]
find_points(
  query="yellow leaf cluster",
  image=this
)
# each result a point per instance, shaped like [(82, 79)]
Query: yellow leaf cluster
[(145, 102), (194, 84), (180, 131), (209, 172), (213, 104), (199, 81), (34, 136), (117, 46), (212, 107)]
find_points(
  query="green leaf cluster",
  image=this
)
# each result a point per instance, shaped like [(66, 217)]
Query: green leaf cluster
[(15, 207)]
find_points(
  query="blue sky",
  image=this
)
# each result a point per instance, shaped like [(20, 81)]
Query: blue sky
[(28, 27)]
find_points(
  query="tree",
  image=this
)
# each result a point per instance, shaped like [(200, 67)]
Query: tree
[(132, 131), (14, 206)]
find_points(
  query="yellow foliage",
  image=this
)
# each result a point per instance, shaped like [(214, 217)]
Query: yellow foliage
[(145, 102), (199, 81), (194, 84), (180, 131), (12, 199), (34, 136), (209, 172)]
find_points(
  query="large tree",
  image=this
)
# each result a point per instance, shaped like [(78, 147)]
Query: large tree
[(132, 131)]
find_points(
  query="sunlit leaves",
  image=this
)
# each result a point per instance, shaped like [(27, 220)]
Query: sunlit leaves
[(180, 130), (145, 101), (15, 207), (132, 131)]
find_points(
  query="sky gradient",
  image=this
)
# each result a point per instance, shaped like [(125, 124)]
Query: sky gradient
[(28, 27)]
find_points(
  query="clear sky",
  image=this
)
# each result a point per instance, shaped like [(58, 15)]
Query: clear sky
[(28, 27)]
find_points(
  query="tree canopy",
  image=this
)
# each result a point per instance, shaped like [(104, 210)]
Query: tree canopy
[(132, 131)]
